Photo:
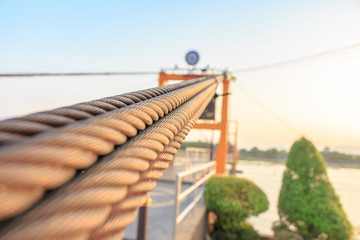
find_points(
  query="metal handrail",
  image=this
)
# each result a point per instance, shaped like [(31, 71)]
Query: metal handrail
[(209, 170), (200, 153)]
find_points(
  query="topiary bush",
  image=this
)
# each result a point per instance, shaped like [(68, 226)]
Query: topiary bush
[(232, 200), (307, 203)]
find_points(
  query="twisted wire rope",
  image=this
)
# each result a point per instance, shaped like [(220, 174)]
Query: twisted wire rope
[(16, 129), (34, 165), (58, 153), (123, 211)]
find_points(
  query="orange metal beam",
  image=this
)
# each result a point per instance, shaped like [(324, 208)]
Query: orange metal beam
[(213, 126), (221, 152), (164, 77)]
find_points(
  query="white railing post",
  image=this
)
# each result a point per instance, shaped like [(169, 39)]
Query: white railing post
[(178, 182), (209, 170)]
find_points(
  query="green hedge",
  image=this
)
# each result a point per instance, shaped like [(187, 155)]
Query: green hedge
[(307, 201), (234, 199)]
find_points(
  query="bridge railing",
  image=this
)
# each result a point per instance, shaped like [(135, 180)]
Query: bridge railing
[(191, 155), (197, 153), (206, 170)]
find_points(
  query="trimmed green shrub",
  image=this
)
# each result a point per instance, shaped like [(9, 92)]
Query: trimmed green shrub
[(232, 200), (308, 204)]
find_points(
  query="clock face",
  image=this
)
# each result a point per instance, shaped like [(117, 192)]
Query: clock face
[(192, 58)]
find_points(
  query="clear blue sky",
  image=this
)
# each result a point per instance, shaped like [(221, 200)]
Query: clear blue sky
[(319, 98)]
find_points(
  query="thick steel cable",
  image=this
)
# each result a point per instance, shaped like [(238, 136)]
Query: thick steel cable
[(108, 182), (48, 160), (55, 155), (13, 130), (76, 189)]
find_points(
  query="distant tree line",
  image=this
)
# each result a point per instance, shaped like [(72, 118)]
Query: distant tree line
[(335, 156), (255, 152), (273, 153)]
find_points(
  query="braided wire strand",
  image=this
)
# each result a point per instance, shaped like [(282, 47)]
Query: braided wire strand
[(119, 177), (39, 148), (25, 170), (16, 129)]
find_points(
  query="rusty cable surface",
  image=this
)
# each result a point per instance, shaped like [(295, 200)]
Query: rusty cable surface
[(12, 130), (100, 202)]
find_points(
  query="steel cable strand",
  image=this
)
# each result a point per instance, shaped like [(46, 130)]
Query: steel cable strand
[(56, 155), (48, 169), (138, 192), (13, 130), (38, 122), (69, 202)]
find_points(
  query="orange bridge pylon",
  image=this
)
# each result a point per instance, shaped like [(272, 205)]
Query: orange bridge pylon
[(222, 149)]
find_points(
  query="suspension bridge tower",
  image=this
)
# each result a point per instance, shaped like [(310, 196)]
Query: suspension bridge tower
[(192, 59)]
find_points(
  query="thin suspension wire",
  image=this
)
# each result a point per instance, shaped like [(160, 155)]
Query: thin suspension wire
[(265, 108), (77, 74), (295, 60)]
